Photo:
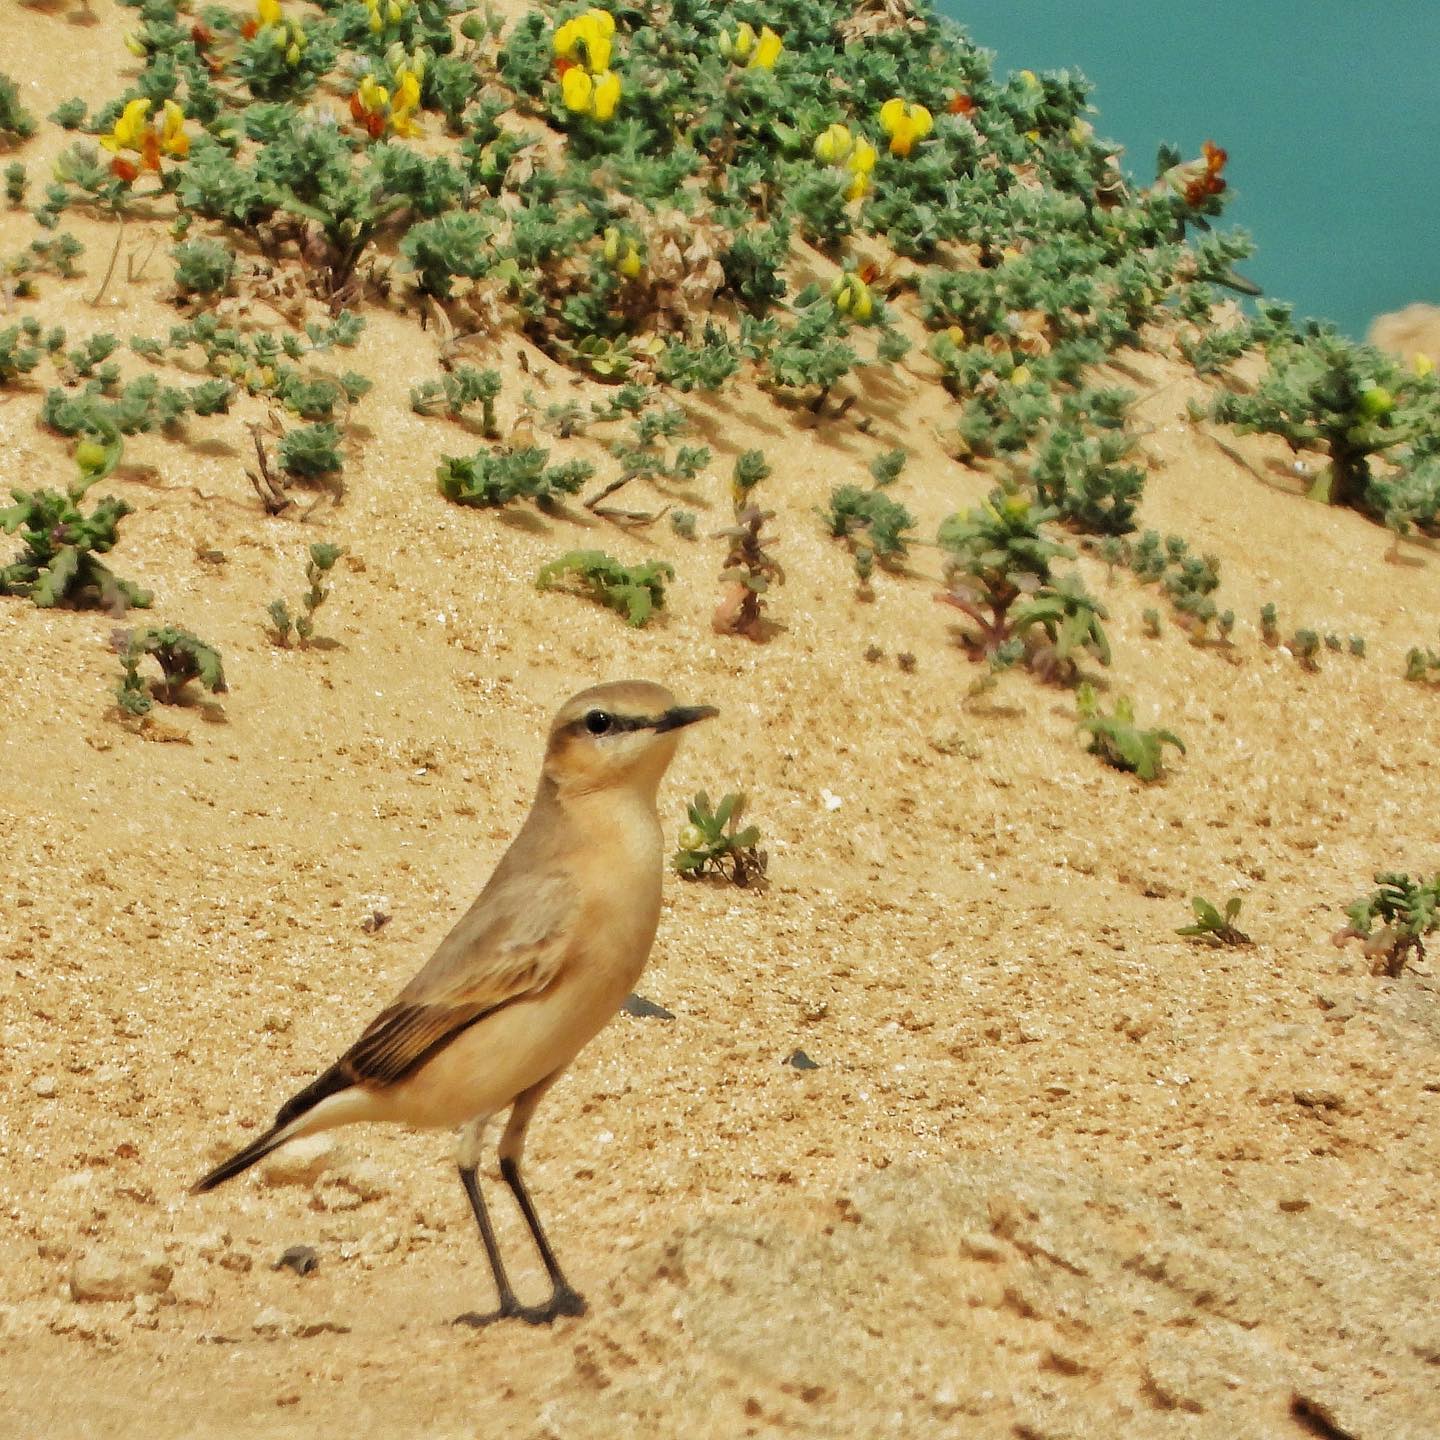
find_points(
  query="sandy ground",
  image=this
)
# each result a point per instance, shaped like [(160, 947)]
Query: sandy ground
[(1058, 1172)]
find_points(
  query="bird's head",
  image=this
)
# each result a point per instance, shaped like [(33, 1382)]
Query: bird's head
[(619, 735)]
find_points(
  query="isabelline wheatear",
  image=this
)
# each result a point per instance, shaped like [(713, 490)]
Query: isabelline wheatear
[(534, 969)]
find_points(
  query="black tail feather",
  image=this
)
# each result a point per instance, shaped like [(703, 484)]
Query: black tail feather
[(330, 1083)]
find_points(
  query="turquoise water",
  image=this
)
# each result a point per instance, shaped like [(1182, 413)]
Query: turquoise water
[(1330, 112)]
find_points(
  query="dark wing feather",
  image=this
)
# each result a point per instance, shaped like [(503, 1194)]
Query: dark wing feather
[(509, 946)]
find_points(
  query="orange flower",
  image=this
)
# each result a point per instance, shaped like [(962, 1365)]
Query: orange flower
[(961, 104)]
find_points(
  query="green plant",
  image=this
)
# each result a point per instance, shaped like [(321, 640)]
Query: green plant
[(203, 267), (1079, 474), (447, 248), (1323, 392), (15, 182), (997, 572), (310, 452), (69, 114), (1213, 927), (16, 122), (748, 570), (1270, 624), (182, 657), (1406, 911), (1305, 647), (496, 477), (455, 391), (712, 842), (321, 561), (1118, 741), (59, 563), (1422, 666), (875, 526), (635, 591)]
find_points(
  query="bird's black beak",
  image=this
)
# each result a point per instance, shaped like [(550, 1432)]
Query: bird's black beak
[(679, 716)]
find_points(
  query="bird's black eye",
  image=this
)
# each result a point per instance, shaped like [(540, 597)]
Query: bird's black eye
[(598, 722)]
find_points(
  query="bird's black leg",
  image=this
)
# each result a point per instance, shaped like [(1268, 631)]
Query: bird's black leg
[(509, 1306), (564, 1299)]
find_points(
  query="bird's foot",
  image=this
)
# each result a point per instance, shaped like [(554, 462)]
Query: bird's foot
[(563, 1301)]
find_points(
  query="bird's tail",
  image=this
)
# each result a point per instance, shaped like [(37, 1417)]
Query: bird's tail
[(289, 1123)]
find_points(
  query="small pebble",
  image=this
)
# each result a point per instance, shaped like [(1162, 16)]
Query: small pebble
[(302, 1259)]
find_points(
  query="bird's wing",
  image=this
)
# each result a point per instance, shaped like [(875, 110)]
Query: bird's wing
[(511, 944)]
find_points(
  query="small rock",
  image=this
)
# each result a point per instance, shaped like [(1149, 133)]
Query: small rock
[(301, 1162), (366, 1179), (271, 1321), (45, 1087), (982, 1247), (799, 1060), (102, 1275), (302, 1259), (643, 1009)]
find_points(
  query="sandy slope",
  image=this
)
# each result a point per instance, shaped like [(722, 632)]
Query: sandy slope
[(1058, 1173)]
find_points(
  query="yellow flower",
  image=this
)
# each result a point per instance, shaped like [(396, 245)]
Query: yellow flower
[(374, 97), (1422, 364), (129, 128), (860, 164), (405, 103), (1020, 375), (833, 144), (577, 90), (852, 297), (621, 253), (134, 130), (607, 95), (862, 159), (591, 33), (136, 46), (267, 12), (1030, 79), (739, 45), (767, 50), (173, 139), (904, 123)]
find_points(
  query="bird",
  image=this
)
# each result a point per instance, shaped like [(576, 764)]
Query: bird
[(528, 976)]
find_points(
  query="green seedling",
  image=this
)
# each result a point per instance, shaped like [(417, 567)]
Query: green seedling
[(455, 391), (16, 122), (1422, 666), (1270, 624), (1305, 647), (1118, 741), (321, 561), (496, 477), (203, 267), (1393, 920), (875, 527), (712, 842), (1213, 926), (59, 564), (182, 657), (634, 591)]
